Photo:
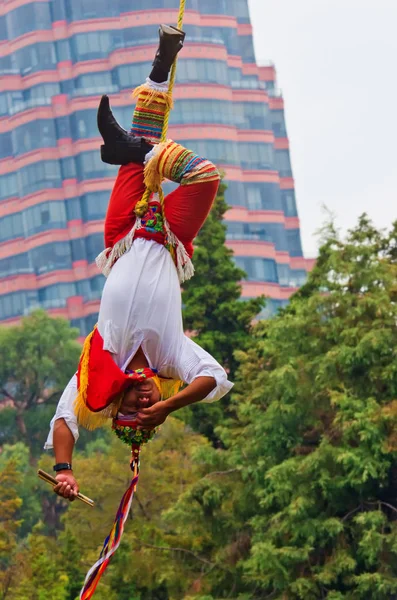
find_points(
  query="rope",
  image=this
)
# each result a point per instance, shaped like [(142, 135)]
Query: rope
[(171, 85)]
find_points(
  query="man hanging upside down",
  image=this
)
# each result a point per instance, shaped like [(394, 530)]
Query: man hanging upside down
[(138, 354)]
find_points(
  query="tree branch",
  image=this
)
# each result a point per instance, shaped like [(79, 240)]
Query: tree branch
[(6, 394), (185, 551), (349, 514), (393, 508), (141, 507), (221, 472)]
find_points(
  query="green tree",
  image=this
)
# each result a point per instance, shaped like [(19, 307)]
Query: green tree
[(37, 358), (10, 480), (157, 559), (213, 309), (315, 437), (41, 574), (27, 485)]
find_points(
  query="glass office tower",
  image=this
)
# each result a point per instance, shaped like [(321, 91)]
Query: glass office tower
[(56, 59)]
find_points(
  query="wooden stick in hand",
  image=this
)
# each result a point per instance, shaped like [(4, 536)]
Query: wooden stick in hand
[(52, 481)]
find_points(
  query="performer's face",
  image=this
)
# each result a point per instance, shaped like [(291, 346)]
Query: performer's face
[(141, 394)]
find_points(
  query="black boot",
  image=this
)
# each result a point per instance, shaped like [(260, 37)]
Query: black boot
[(171, 42), (120, 147)]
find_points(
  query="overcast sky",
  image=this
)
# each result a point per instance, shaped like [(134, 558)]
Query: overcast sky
[(337, 67)]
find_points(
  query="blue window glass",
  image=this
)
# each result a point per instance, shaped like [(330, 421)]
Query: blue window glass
[(51, 257), (294, 242), (263, 196), (73, 209), (58, 11), (248, 231), (15, 265), (206, 71), (283, 163), (251, 115), (30, 17), (283, 272), (45, 216), (95, 83), (37, 176), (235, 193), (9, 186), (63, 129), (278, 123), (56, 296), (289, 203), (7, 65), (298, 277), (94, 205), (11, 227), (5, 145), (78, 250), (96, 287), (90, 166), (94, 246), (17, 304), (34, 135), (83, 289), (92, 45), (240, 9), (68, 168), (38, 57), (63, 51), (202, 111), (258, 269), (256, 155), (246, 48), (219, 151), (132, 75), (91, 9), (3, 28), (265, 232), (84, 124)]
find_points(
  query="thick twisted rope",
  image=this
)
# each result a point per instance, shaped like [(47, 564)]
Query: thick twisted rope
[(171, 85)]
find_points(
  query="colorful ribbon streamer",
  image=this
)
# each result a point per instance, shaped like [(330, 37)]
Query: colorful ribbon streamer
[(112, 542)]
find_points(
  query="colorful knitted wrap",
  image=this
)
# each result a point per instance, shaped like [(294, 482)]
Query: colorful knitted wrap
[(174, 162), (153, 102)]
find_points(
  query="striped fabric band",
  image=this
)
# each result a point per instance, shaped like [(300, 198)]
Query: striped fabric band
[(184, 166), (149, 114)]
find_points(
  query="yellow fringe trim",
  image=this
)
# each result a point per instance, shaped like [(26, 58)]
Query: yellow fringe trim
[(85, 417), (169, 387), (150, 95), (153, 177)]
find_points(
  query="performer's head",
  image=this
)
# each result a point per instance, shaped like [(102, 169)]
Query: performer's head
[(141, 394)]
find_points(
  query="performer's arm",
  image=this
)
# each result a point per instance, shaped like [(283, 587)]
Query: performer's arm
[(62, 437), (194, 392), (63, 449), (206, 380)]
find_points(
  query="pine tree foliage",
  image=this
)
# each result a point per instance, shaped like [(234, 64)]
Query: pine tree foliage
[(316, 430)]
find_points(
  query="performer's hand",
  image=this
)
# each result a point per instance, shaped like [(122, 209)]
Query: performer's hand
[(67, 486), (155, 415)]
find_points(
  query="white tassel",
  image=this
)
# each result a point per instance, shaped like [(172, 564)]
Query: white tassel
[(102, 259), (105, 261), (184, 265)]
